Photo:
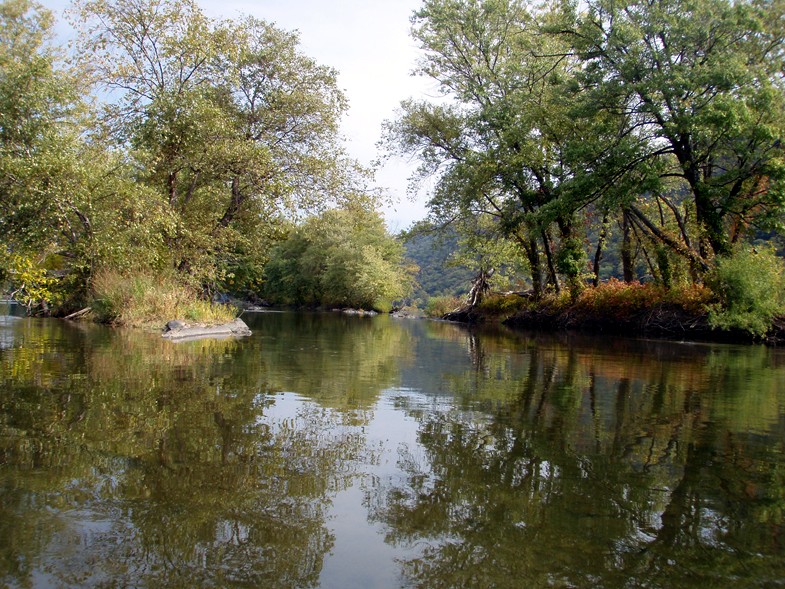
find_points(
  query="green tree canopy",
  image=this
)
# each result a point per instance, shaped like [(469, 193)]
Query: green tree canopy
[(559, 119), (702, 82), (206, 138), (228, 121), (343, 257)]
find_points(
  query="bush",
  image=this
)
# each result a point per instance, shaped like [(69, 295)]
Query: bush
[(341, 258), (503, 306), (749, 285), (440, 306), (622, 300), (146, 300)]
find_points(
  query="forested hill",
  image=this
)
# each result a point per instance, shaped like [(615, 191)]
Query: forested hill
[(437, 276)]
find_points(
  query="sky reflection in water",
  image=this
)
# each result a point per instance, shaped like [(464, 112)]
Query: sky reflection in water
[(332, 451)]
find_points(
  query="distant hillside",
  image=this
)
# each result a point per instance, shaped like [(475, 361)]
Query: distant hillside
[(436, 277)]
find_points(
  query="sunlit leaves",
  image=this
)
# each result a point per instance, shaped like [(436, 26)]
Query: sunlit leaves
[(343, 257), (228, 121)]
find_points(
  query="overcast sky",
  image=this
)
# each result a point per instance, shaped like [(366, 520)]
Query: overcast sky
[(368, 42)]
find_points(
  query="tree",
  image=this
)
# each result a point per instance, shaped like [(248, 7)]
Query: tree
[(34, 101), (65, 204), (509, 142), (343, 257), (701, 82), (664, 117), (228, 121)]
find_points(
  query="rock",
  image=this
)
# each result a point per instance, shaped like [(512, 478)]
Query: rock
[(409, 313), (174, 325), (178, 331)]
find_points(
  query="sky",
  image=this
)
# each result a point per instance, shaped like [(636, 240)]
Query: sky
[(368, 43)]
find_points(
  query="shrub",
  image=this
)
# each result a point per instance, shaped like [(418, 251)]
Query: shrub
[(28, 281), (749, 286), (147, 300), (621, 300), (501, 305), (440, 306)]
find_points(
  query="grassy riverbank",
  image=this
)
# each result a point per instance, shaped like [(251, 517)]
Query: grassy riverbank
[(149, 301), (690, 312)]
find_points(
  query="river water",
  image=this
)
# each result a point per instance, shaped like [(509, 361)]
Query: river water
[(340, 452)]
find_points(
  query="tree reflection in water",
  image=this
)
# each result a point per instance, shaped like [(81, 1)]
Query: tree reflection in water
[(569, 466), (129, 461)]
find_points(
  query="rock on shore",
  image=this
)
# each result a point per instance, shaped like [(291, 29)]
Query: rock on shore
[(179, 330)]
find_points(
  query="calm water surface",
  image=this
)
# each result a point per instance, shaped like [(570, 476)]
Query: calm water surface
[(339, 452)]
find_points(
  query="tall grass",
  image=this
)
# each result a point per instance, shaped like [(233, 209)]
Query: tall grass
[(148, 300)]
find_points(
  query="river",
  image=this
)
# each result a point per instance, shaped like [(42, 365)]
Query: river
[(338, 452)]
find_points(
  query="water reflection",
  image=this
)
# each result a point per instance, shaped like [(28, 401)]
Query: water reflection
[(131, 462), (579, 466), (477, 460)]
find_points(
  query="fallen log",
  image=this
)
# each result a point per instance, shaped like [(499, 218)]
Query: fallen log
[(78, 314)]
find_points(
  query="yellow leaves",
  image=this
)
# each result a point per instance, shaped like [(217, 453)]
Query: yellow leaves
[(31, 283)]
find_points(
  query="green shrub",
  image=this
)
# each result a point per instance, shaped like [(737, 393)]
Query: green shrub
[(749, 286), (440, 306), (147, 300), (503, 306)]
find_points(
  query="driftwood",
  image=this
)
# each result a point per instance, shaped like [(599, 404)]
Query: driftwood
[(479, 289), (78, 314)]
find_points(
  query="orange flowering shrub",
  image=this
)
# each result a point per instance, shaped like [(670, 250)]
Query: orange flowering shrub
[(620, 299)]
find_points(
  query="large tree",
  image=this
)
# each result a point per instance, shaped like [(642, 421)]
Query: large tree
[(65, 204), (560, 119), (702, 82), (508, 140), (228, 121)]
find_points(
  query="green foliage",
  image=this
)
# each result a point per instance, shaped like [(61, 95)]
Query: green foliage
[(666, 117), (206, 136), (571, 262), (431, 252), (750, 286), (149, 300), (439, 306), (343, 257), (484, 247), (502, 306), (231, 125)]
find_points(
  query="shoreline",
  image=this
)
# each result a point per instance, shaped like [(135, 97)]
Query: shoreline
[(665, 322)]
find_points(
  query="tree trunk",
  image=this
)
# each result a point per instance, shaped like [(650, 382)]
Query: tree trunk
[(234, 204), (553, 277), (626, 249), (480, 287), (598, 254), (535, 266), (710, 220)]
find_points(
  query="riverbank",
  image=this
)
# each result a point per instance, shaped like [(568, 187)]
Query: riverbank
[(630, 310)]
